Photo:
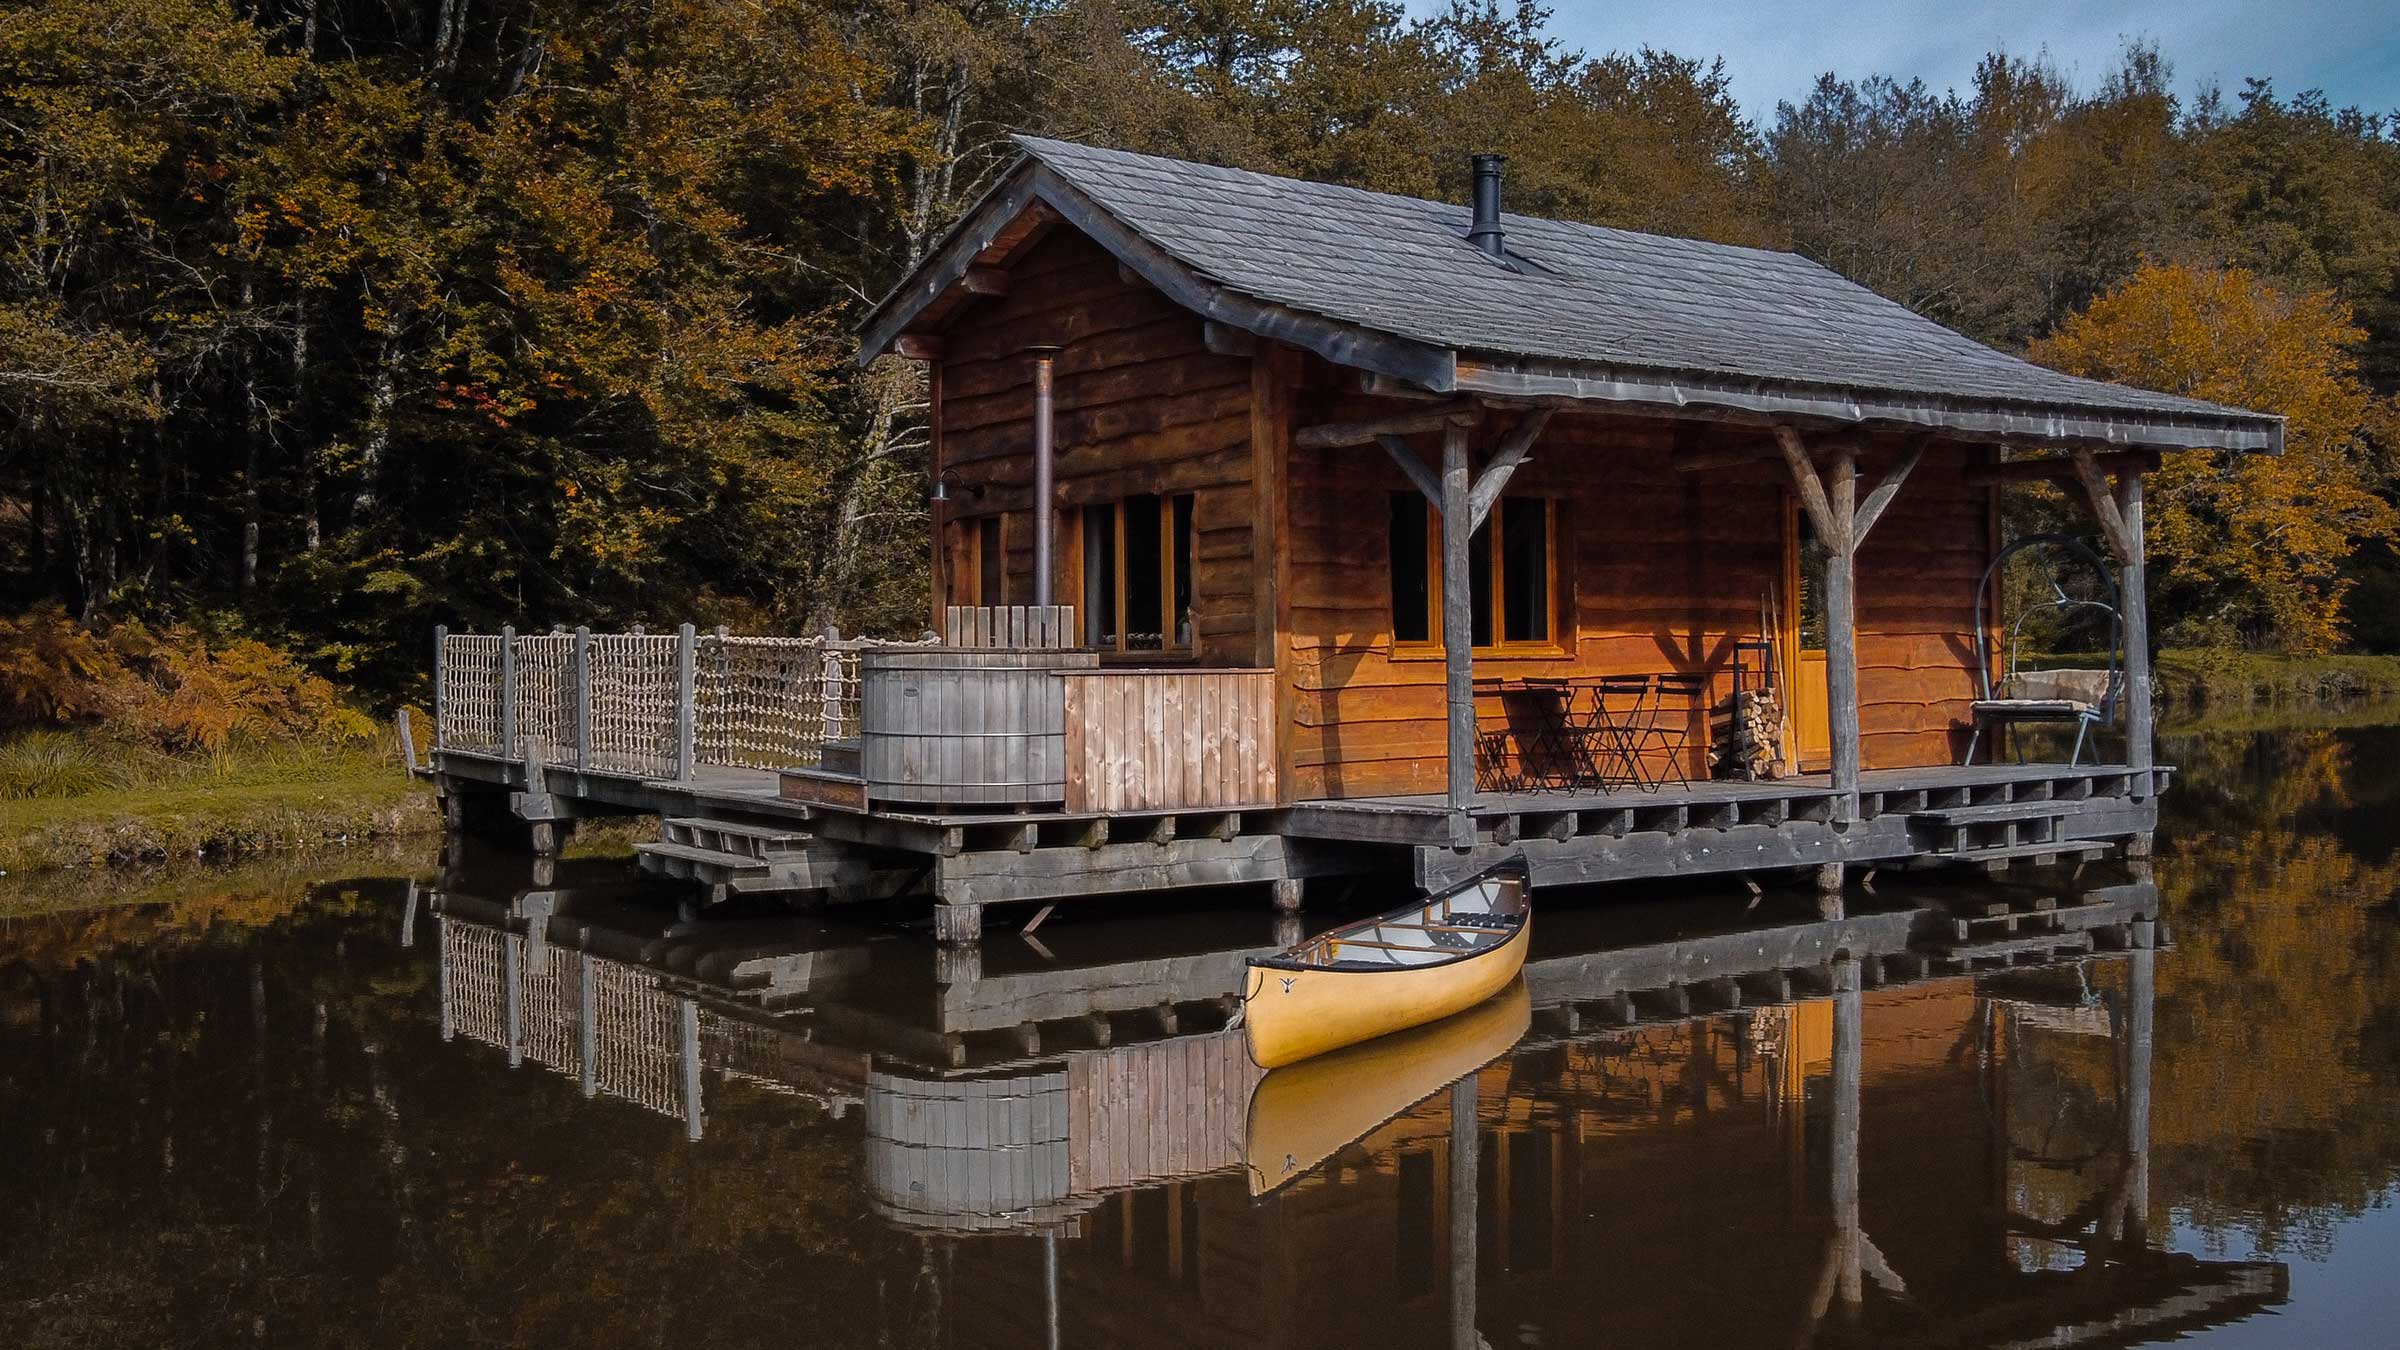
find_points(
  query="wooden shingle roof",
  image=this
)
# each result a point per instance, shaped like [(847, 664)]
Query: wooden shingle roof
[(1391, 284)]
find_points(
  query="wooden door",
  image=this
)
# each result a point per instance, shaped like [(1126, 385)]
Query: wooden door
[(1803, 642)]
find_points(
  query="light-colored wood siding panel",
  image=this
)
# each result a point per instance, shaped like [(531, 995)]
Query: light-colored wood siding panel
[(1158, 740)]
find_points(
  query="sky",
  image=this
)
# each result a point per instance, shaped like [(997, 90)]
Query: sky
[(1775, 51)]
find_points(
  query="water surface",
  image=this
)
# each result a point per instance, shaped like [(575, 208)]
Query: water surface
[(468, 1101)]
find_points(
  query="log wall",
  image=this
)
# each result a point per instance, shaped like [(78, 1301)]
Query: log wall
[(1141, 406), (1666, 570)]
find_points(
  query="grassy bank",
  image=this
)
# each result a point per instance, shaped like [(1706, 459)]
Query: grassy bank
[(2192, 678), (70, 799)]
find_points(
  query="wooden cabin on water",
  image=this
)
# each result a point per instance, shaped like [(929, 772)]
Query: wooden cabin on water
[(1269, 512)]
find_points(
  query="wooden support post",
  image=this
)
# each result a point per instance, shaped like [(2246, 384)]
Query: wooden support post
[(1458, 634), (512, 997), (441, 683), (508, 692), (957, 923), (1465, 1157), (1841, 630), (1287, 891), (2133, 602), (687, 698), (582, 658)]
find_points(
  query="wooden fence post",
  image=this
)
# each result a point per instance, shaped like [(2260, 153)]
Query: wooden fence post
[(829, 699), (583, 697), (441, 646), (687, 697), (508, 691)]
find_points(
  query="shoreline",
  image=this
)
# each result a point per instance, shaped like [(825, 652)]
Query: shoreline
[(210, 822)]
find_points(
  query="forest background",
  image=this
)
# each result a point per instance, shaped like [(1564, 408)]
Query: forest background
[(326, 321)]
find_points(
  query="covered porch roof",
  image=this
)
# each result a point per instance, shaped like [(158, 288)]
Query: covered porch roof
[(1567, 313)]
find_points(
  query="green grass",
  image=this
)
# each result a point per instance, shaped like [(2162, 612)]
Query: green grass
[(69, 798)]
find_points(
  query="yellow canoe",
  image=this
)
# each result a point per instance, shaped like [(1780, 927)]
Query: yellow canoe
[(1443, 954), (1304, 1114)]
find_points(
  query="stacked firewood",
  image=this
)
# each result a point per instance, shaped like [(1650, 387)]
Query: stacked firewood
[(1748, 731)]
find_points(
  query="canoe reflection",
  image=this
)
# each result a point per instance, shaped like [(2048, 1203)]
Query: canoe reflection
[(1302, 1114)]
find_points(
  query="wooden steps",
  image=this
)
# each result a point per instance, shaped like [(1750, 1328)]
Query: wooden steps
[(731, 856)]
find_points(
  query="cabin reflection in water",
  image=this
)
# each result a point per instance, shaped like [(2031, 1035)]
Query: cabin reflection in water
[(1830, 1132)]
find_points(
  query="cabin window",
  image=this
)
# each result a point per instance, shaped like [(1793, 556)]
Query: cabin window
[(1512, 573), (989, 572), (1137, 574)]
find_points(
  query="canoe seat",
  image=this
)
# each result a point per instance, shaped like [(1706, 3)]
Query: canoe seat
[(1498, 923)]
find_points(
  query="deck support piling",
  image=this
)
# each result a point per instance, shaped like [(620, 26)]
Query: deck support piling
[(957, 924), (1458, 633), (1287, 892), (1848, 1064)]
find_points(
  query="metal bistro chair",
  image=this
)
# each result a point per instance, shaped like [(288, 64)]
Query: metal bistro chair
[(2039, 697), (1554, 753), (1678, 700), (1496, 768), (1612, 733)]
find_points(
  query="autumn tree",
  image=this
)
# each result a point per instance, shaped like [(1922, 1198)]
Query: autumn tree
[(2245, 547)]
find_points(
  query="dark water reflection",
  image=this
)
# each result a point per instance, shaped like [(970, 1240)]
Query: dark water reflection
[(491, 1107)]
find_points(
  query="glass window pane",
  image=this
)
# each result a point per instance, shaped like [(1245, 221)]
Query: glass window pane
[(1525, 569), (987, 560), (1412, 576), (1145, 575), (1187, 561), (1100, 577)]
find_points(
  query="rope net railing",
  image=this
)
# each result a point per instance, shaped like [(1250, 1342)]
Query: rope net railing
[(755, 702)]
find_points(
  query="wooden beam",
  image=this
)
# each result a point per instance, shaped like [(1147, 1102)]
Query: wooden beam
[(1372, 385), (2059, 468), (1871, 510), (985, 281), (1227, 340), (1328, 435), (1130, 277), (1727, 456), (918, 346), (2104, 505), (1505, 460), (1806, 483), (1418, 473)]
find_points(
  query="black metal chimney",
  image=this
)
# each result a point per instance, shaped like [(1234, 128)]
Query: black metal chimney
[(1486, 233)]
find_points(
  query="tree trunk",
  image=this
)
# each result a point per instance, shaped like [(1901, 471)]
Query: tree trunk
[(311, 527)]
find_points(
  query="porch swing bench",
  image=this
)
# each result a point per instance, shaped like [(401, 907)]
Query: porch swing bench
[(2015, 697)]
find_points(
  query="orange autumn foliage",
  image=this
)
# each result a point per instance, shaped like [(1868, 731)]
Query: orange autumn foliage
[(172, 689), (2247, 547)]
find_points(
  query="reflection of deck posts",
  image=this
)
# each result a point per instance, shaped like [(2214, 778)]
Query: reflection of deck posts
[(408, 919), (1848, 1043), (2140, 996), (690, 1010), (512, 997), (1458, 633), (1050, 1285), (587, 1024), (1464, 1157), (441, 974)]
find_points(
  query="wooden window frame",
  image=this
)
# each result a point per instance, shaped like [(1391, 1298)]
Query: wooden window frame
[(1562, 640), (1170, 567)]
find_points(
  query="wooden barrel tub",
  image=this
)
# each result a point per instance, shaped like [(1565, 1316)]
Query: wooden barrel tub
[(956, 726)]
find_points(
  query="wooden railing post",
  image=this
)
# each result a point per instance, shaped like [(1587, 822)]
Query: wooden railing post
[(582, 658), (508, 691), (830, 678), (2133, 601), (687, 698), (441, 671)]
